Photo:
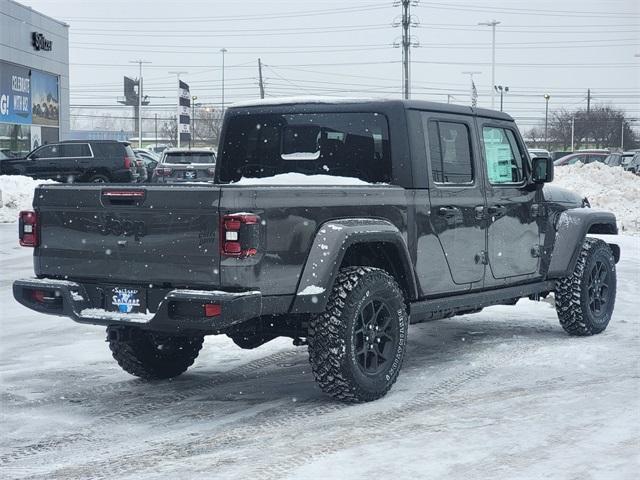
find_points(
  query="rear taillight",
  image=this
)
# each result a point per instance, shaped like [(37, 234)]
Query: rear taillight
[(28, 229), (128, 162), (240, 235), (163, 171)]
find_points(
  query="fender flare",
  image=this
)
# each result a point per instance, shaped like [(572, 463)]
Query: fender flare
[(571, 228), (327, 253)]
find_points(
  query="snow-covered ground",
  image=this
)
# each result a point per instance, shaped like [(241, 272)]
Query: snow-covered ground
[(500, 394), (16, 194), (608, 188)]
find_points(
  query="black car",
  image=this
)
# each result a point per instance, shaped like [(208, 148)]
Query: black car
[(93, 161), (335, 224), (178, 165)]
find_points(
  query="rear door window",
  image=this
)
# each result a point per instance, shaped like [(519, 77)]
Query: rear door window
[(339, 144), (450, 152), (74, 150), (502, 155)]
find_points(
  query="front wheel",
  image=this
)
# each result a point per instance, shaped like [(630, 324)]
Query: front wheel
[(152, 355), (585, 299), (357, 345)]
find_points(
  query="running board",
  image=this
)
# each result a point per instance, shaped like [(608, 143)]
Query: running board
[(432, 309)]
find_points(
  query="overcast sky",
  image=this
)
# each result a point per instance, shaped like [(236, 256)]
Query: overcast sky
[(333, 47)]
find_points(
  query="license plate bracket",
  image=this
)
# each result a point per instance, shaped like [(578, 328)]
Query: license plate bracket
[(125, 299)]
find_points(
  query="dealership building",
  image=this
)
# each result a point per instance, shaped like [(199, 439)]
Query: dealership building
[(34, 78)]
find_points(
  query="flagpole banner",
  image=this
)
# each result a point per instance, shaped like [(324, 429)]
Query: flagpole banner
[(184, 112)]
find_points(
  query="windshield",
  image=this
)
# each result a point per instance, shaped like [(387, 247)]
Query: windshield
[(189, 157), (354, 145)]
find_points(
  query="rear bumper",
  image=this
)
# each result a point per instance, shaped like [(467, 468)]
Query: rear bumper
[(179, 311)]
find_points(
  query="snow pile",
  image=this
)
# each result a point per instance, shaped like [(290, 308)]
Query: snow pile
[(301, 179), (608, 188), (16, 193)]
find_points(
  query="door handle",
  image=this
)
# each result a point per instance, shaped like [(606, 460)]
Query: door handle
[(496, 210), (448, 211)]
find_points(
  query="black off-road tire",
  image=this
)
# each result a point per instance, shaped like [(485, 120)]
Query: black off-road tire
[(334, 338), (151, 355), (575, 294), (98, 178)]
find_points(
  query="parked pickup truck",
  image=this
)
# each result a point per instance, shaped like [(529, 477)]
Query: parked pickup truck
[(335, 223)]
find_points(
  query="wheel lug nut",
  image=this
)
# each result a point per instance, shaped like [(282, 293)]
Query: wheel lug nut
[(366, 338), (378, 340)]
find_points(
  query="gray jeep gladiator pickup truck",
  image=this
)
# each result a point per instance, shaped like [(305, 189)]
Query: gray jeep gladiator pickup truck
[(335, 223)]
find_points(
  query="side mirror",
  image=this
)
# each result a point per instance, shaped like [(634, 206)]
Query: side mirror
[(542, 170)]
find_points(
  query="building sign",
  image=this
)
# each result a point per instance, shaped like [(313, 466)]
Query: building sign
[(184, 115), (40, 42), (15, 94)]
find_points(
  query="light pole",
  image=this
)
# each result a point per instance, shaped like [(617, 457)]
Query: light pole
[(193, 121), (492, 24), (223, 51), (502, 90), (546, 119), (139, 62)]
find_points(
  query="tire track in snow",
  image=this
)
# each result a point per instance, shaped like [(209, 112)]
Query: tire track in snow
[(90, 433), (280, 419)]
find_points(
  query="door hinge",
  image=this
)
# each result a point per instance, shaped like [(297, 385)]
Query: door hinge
[(537, 210), (482, 257), (536, 251)]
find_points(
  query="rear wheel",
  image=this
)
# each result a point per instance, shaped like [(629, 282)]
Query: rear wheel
[(152, 355), (98, 179), (357, 345), (585, 299)]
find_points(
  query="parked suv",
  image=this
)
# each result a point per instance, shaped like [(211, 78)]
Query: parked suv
[(333, 223), (619, 159), (93, 161), (179, 165)]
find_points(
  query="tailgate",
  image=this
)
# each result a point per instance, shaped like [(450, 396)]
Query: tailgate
[(161, 235)]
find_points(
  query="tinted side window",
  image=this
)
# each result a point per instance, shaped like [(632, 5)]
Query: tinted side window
[(502, 155), (75, 150), (450, 152), (48, 151)]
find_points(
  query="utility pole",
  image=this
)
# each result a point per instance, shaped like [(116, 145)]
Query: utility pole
[(260, 78), (223, 51), (156, 128), (177, 74), (474, 91), (588, 101), (406, 43), (449, 96), (139, 62), (492, 24), (546, 119), (622, 136)]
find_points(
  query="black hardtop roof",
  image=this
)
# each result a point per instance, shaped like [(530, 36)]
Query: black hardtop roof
[(380, 103)]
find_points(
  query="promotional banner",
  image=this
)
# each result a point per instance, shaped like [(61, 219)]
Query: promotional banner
[(184, 114), (44, 98), (15, 94)]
